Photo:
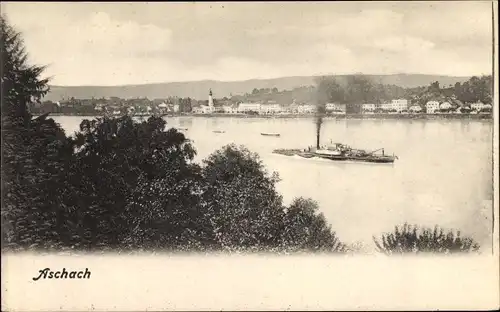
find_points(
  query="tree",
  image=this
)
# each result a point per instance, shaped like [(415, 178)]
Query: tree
[(329, 90), (247, 213), (434, 88), (306, 229), (119, 166), (484, 89), (34, 153), (240, 200), (359, 89), (21, 82), (351, 90), (475, 89)]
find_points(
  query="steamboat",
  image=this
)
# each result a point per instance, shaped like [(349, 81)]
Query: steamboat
[(340, 152)]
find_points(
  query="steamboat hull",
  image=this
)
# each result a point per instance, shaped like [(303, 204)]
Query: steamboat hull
[(369, 158), (374, 159), (332, 157)]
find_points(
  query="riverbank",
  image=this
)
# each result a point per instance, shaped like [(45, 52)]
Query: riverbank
[(295, 116)]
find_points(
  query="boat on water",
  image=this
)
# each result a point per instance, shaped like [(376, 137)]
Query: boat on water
[(270, 134), (340, 152), (219, 131)]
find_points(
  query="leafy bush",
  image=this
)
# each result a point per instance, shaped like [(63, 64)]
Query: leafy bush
[(465, 110), (306, 229), (411, 239)]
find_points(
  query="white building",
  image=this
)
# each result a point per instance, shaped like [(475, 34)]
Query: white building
[(207, 109), (270, 109), (248, 107), (445, 105), (477, 106), (163, 108), (386, 106), (399, 105), (229, 109), (431, 107), (368, 107), (218, 109), (415, 109), (335, 107), (176, 108), (291, 109), (486, 106), (306, 109)]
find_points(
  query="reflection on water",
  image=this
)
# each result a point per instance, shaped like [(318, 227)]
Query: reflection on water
[(186, 123), (443, 175)]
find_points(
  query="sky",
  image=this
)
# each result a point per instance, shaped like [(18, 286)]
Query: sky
[(137, 43)]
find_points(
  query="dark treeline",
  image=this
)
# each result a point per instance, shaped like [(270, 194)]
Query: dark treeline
[(109, 105), (123, 185)]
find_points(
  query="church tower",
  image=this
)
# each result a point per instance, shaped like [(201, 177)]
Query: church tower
[(210, 99)]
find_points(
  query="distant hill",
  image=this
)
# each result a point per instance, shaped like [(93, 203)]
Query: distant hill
[(199, 89)]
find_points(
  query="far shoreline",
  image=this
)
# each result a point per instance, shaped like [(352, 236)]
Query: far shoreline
[(308, 116)]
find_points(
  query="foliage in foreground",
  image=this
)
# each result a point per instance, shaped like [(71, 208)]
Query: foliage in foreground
[(412, 239)]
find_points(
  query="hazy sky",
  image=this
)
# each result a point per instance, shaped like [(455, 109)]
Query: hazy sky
[(128, 43)]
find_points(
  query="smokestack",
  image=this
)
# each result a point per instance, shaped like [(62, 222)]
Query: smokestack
[(322, 97), (320, 112), (319, 121)]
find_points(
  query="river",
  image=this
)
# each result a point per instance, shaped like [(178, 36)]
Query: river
[(443, 174)]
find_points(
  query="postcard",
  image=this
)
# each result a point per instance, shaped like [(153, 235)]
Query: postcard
[(249, 156)]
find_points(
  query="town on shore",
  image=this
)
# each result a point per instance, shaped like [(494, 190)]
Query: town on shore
[(359, 98)]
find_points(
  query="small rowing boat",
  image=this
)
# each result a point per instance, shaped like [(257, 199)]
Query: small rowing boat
[(270, 134)]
